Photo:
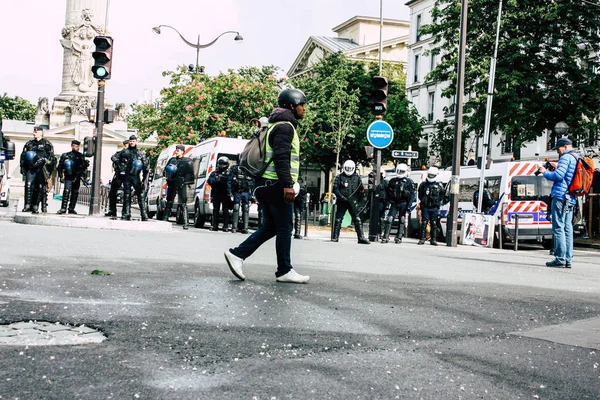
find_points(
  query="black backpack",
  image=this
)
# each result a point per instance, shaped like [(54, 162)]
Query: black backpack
[(252, 158)]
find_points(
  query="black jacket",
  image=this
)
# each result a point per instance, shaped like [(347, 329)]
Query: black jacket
[(125, 158), (348, 188), (184, 172), (80, 164), (280, 141), (43, 149)]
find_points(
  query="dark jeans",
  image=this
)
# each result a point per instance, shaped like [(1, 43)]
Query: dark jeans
[(278, 218)]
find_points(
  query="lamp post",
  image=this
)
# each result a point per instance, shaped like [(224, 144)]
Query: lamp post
[(197, 46), (561, 128), (423, 144)]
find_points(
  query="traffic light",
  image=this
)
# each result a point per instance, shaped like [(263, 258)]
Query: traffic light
[(379, 95), (103, 57), (89, 146)]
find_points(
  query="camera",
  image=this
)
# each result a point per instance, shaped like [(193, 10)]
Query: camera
[(547, 165)]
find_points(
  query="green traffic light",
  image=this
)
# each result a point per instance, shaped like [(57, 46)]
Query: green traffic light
[(101, 72)]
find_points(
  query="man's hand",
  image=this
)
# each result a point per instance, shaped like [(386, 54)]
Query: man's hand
[(289, 195), (541, 169)]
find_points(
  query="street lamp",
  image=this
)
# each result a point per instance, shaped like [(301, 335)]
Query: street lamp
[(423, 144), (197, 46), (561, 128)]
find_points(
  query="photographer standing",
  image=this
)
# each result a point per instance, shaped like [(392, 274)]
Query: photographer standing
[(562, 202)]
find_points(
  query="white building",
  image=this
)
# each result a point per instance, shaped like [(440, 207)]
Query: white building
[(428, 100)]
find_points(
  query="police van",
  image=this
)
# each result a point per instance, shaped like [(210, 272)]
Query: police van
[(518, 193), (4, 186), (157, 190), (204, 159)]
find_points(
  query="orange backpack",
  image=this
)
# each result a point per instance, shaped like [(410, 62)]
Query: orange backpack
[(583, 176)]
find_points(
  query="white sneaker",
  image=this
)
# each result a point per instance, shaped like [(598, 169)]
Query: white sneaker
[(293, 277), (235, 265)]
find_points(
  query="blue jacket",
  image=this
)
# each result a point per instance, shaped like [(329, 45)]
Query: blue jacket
[(562, 176)]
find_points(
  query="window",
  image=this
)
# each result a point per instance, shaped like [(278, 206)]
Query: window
[(431, 62), (418, 28), (202, 164), (431, 107), (416, 66), (469, 186), (532, 188)]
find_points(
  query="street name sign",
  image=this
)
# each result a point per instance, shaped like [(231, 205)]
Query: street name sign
[(380, 134), (405, 154)]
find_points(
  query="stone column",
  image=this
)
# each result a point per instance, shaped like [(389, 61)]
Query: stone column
[(84, 20)]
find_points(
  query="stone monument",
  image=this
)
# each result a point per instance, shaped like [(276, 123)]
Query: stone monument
[(84, 20)]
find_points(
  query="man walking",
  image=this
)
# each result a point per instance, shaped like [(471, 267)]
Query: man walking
[(562, 203), (178, 172), (275, 190), (71, 167)]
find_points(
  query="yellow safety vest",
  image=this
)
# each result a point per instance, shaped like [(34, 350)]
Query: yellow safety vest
[(270, 172)]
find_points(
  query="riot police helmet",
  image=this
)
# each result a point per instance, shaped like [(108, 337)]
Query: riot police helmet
[(222, 163), (31, 157), (170, 171), (349, 167), (402, 170), (432, 174)]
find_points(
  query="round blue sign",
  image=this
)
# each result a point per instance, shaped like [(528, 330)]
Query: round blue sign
[(380, 134)]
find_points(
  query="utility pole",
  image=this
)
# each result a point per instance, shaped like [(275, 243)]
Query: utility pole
[(451, 221)]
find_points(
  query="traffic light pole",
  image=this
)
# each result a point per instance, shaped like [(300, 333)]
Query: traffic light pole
[(374, 219), (96, 172)]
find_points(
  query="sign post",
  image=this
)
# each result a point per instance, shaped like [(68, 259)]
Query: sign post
[(380, 135)]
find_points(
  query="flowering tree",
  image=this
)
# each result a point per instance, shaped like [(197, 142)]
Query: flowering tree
[(195, 106)]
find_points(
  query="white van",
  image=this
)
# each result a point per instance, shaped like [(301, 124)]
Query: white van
[(204, 158), (4, 186), (157, 190)]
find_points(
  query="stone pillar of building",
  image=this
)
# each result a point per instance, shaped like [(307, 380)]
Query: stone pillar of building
[(84, 20)]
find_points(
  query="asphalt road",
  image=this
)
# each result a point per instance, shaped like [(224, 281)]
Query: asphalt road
[(375, 322)]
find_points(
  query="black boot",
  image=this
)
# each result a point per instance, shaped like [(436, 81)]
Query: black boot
[(423, 232), (35, 200), (65, 201), (186, 217), (359, 232), (297, 226), (336, 230), (44, 198), (126, 213), (110, 213), (142, 205), (236, 218), (28, 196), (400, 233), (73, 201), (215, 220), (387, 226), (245, 217), (225, 220), (167, 212), (433, 240)]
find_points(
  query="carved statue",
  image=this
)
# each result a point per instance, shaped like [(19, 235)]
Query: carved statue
[(80, 104), (78, 37), (42, 107), (121, 109)]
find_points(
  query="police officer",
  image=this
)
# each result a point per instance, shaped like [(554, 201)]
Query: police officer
[(115, 185), (220, 193), (488, 199), (349, 191), (71, 167), (178, 172), (400, 194), (37, 162), (380, 201), (299, 206), (431, 195), (241, 186), (130, 162)]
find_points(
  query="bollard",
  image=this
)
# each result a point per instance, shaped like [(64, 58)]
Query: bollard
[(501, 234), (516, 216), (333, 210), (306, 212)]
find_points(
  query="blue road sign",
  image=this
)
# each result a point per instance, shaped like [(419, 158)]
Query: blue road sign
[(380, 134), (405, 154)]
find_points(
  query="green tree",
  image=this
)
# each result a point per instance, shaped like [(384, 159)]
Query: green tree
[(16, 108), (335, 73), (195, 106), (544, 72)]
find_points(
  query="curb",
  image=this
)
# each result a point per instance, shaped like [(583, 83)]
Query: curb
[(71, 221)]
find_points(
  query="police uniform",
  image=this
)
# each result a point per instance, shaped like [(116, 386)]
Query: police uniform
[(71, 167), (37, 167), (220, 193), (241, 186), (115, 185), (178, 172), (299, 206), (431, 196), (400, 194), (130, 162), (349, 192)]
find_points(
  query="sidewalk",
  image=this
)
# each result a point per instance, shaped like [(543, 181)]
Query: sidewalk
[(83, 220)]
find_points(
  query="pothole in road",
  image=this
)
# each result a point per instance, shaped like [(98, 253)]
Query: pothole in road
[(43, 333)]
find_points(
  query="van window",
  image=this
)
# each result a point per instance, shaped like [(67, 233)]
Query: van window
[(469, 186), (201, 165), (233, 158), (529, 188), (160, 166)]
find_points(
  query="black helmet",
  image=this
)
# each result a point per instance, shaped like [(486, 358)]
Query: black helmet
[(292, 97), (222, 163)]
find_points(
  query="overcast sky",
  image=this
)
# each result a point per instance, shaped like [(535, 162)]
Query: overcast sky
[(274, 32)]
